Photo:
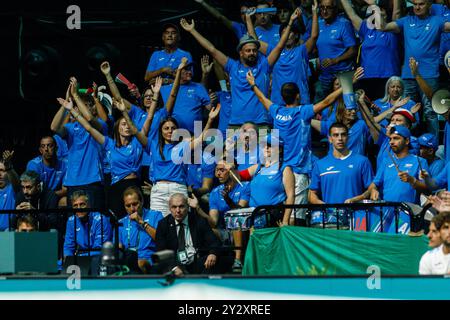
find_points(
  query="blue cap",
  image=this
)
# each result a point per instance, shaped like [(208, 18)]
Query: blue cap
[(429, 140), (401, 131)]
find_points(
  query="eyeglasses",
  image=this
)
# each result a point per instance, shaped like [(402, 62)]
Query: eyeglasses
[(327, 7), (148, 96)]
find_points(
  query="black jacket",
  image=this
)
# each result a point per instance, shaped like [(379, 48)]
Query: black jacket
[(203, 238)]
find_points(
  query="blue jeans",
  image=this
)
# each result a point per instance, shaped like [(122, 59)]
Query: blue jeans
[(323, 89), (413, 91)]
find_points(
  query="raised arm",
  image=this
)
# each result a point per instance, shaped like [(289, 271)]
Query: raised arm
[(262, 98), (385, 113), (13, 177), (212, 115), (175, 87), (151, 111), (68, 105), (374, 127), (396, 10), (424, 86), (206, 70), (275, 53), (98, 105), (354, 18), (216, 14), (106, 70), (263, 46), (81, 105), (318, 107), (311, 42), (217, 55), (57, 124)]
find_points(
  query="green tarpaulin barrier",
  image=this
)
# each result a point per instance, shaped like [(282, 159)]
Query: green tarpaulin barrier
[(308, 251)]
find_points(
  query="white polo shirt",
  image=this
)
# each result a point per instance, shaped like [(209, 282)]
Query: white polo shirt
[(435, 262)]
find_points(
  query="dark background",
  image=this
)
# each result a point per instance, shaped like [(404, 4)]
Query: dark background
[(127, 31)]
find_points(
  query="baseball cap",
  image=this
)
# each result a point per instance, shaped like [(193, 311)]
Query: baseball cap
[(246, 38), (406, 113), (401, 131), (170, 25), (429, 140)]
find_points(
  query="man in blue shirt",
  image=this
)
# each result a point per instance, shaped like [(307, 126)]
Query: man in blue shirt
[(336, 45), (428, 145), (342, 176), (397, 179), (191, 99), (85, 230), (422, 33), (266, 30), (9, 186), (50, 168), (164, 62), (245, 105), (138, 229)]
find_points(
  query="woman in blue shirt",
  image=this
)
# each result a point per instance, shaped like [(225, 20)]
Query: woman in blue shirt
[(124, 153), (272, 183)]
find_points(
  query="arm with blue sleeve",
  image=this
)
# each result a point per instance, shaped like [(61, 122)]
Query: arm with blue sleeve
[(439, 182), (314, 188), (69, 239)]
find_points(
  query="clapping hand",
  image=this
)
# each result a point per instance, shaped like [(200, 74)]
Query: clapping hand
[(67, 104), (105, 68), (206, 66), (156, 87)]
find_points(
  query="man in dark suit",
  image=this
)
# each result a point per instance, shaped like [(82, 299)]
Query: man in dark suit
[(191, 237)]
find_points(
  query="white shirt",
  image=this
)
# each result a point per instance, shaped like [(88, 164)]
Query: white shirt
[(435, 262)]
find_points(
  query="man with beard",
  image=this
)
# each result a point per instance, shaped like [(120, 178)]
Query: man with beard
[(266, 30), (9, 186), (164, 62), (245, 105), (398, 176), (34, 195), (437, 260), (51, 170)]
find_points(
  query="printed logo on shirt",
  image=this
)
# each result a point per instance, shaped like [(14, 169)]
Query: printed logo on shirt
[(333, 31), (329, 168), (371, 36), (427, 27), (283, 118), (412, 24), (78, 229), (350, 166), (408, 165), (161, 59), (391, 165)]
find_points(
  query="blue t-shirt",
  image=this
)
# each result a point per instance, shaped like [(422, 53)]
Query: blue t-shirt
[(292, 66), (340, 179), (239, 29), (138, 116), (266, 186), (328, 114), (161, 59), (442, 178), (217, 202), (390, 185), (270, 36), (245, 105), (197, 172), (51, 177), (437, 167), (85, 156), (62, 147), (7, 202), (357, 136), (86, 235), (422, 40), (133, 236), (387, 105), (444, 12), (124, 160), (379, 52), (225, 101), (173, 166), (334, 39), (295, 132), (191, 99)]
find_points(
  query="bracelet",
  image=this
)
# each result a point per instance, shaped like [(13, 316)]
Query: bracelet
[(253, 85)]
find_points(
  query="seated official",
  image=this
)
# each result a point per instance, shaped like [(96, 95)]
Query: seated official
[(191, 237), (138, 229), (85, 230)]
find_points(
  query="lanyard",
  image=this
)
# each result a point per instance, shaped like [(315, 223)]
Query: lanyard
[(129, 236)]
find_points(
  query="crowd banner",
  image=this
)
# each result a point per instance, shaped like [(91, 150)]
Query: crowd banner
[(300, 251)]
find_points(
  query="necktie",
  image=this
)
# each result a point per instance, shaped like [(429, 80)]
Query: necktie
[(181, 238)]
